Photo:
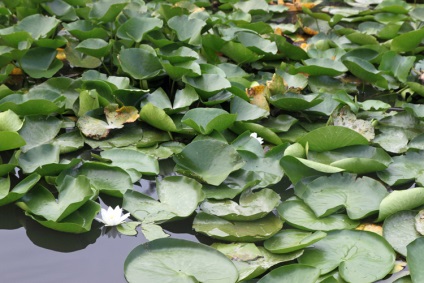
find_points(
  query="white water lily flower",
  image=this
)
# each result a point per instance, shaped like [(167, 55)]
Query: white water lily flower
[(255, 136), (112, 217)]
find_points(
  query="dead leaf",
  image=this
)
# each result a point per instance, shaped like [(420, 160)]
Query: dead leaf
[(116, 117), (258, 96), (371, 228)]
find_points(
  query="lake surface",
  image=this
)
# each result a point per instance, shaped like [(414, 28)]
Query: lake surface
[(31, 253)]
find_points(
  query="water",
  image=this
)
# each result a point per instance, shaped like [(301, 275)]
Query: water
[(31, 253)]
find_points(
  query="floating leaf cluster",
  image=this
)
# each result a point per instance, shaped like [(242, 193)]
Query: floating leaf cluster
[(281, 129)]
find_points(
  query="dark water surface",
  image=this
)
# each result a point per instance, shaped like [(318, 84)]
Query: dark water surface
[(34, 254), (31, 253)]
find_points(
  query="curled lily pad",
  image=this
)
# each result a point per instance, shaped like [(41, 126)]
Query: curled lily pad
[(250, 260), (253, 205), (77, 222), (294, 102), (207, 85), (10, 140), (290, 240), (299, 215), (217, 161), (335, 137), (240, 231), (95, 47), (359, 159), (9, 121), (360, 256), (9, 196), (360, 196), (400, 200), (157, 117), (73, 193), (178, 261)]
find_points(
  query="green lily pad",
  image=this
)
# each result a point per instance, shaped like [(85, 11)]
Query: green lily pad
[(38, 26), (106, 10), (38, 130), (414, 259), (290, 240), (83, 29), (322, 66), (157, 117), (131, 159), (179, 196), (206, 120), (130, 58), (178, 261), (152, 231), (10, 140), (77, 222), (358, 159), (237, 231), (95, 47), (207, 85), (331, 137), (299, 215), (400, 200), (188, 28), (365, 71), (398, 66), (9, 121), (404, 168), (135, 28), (360, 256), (41, 62), (9, 196), (360, 197), (262, 131), (250, 260), (293, 273), (407, 41), (34, 103), (73, 193), (294, 102), (217, 161), (399, 230), (246, 111), (253, 205), (110, 180)]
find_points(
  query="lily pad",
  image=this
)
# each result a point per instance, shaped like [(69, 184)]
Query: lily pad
[(293, 273), (294, 102), (253, 205), (77, 222), (131, 57), (206, 120), (178, 261), (299, 215), (217, 161), (10, 121), (38, 130), (73, 193), (9, 196), (331, 137), (399, 230), (250, 260), (405, 168), (10, 140), (414, 259), (360, 256), (400, 200), (290, 240), (135, 28), (179, 196), (237, 231), (360, 197), (359, 159)]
